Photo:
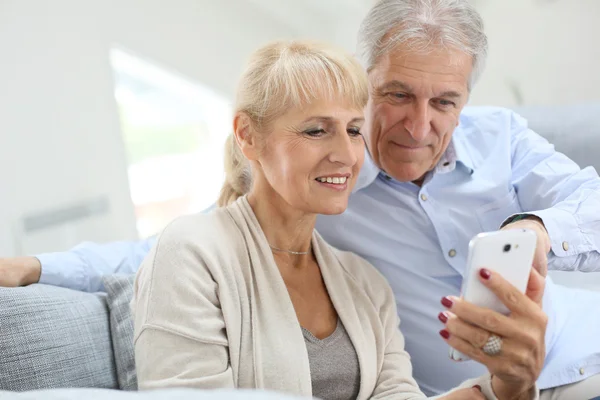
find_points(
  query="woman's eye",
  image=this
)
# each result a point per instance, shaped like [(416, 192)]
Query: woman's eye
[(315, 132), (354, 132)]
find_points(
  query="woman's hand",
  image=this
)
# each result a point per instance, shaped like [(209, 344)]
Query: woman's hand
[(516, 367), (464, 394)]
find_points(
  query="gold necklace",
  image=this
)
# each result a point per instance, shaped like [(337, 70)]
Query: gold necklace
[(296, 253)]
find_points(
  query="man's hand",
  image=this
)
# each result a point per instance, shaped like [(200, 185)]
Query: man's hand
[(543, 247), (19, 271)]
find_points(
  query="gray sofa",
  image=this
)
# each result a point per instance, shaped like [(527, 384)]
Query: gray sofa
[(52, 337), (57, 343)]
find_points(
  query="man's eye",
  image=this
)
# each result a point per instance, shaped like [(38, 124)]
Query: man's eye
[(315, 132), (399, 95), (445, 103)]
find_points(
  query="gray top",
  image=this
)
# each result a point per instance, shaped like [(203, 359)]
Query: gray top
[(334, 369)]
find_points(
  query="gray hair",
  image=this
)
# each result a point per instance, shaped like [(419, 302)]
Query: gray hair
[(423, 25)]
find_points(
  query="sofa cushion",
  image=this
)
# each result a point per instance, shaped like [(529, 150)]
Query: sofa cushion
[(573, 129), (157, 394), (51, 337), (119, 290)]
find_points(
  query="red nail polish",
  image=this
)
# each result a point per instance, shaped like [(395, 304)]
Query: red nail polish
[(445, 334), (442, 317), (446, 302), (477, 387), (485, 274)]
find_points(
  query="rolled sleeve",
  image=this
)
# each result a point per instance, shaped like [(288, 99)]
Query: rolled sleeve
[(62, 269), (565, 197), (564, 231), (83, 267)]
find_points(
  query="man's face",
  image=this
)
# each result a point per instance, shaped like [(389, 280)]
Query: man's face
[(414, 105)]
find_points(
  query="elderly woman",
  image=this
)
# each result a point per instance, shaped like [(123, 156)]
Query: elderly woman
[(249, 295)]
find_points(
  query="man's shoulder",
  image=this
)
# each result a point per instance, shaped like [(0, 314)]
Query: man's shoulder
[(486, 118), (484, 130)]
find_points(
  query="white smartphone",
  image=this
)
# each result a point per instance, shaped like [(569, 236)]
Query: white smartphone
[(509, 253)]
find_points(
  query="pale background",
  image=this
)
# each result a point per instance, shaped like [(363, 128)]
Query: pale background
[(65, 173)]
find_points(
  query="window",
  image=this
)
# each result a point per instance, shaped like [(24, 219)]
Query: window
[(174, 131)]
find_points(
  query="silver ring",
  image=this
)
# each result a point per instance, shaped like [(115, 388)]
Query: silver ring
[(493, 345)]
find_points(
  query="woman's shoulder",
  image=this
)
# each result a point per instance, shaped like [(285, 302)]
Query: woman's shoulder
[(201, 232)]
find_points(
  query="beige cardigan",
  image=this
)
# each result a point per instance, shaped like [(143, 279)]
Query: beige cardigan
[(212, 311)]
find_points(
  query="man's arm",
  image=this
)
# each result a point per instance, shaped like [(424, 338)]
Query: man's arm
[(80, 268), (565, 197)]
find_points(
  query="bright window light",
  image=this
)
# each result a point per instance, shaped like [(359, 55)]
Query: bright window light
[(174, 130)]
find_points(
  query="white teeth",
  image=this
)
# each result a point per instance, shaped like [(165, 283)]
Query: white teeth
[(335, 180)]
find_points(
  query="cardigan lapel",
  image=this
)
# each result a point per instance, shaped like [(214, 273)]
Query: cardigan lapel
[(344, 299), (277, 336)]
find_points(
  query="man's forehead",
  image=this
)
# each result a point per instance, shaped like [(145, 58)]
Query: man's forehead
[(447, 69)]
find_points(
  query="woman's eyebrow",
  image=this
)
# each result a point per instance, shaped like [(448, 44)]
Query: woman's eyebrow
[(330, 119)]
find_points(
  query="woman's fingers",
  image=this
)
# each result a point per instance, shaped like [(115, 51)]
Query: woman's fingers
[(477, 338), (484, 318), (474, 335), (509, 295), (535, 287), (466, 348), (523, 308)]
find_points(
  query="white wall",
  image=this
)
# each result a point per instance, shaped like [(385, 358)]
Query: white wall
[(60, 141), (548, 50)]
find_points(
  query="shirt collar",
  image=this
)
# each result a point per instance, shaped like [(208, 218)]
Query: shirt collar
[(457, 152), (462, 151)]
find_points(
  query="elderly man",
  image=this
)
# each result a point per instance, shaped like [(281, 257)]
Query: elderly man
[(437, 175)]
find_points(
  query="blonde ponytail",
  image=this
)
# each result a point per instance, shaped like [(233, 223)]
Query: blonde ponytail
[(238, 176)]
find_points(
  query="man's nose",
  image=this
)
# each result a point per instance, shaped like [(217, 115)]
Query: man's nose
[(418, 122)]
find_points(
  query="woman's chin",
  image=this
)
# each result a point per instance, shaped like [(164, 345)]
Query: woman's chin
[(331, 207)]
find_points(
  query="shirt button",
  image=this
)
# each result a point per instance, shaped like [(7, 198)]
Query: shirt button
[(581, 371), (565, 246), (452, 253), (423, 197)]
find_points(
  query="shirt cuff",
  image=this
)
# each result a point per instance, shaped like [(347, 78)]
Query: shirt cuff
[(566, 238), (60, 269)]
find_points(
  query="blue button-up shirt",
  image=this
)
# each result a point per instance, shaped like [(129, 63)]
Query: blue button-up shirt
[(417, 237)]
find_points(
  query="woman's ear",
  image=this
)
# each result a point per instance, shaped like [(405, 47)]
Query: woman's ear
[(245, 135)]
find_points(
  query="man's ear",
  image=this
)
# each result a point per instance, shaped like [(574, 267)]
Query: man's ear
[(245, 135)]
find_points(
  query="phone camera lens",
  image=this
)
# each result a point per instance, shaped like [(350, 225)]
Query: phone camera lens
[(506, 248)]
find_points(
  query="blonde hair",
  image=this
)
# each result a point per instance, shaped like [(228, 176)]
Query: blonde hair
[(284, 75)]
